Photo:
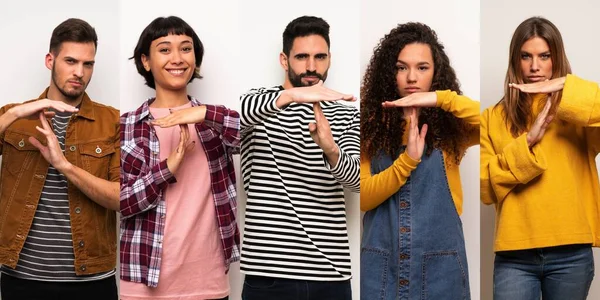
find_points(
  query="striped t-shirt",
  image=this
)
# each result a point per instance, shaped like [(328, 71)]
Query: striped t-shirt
[(295, 213), (47, 254)]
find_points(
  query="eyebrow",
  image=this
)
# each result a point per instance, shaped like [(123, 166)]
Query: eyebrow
[(168, 42), (77, 60), (545, 52), (420, 63), (305, 53)]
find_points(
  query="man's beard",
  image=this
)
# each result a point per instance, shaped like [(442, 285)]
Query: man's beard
[(296, 79), (72, 95)]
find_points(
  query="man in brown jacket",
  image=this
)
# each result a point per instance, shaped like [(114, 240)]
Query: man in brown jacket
[(59, 181)]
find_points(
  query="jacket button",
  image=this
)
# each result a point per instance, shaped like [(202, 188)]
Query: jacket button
[(77, 210), (72, 148), (404, 282), (22, 143), (39, 176), (403, 204), (82, 268), (98, 150), (404, 229), (20, 237), (81, 243), (403, 256)]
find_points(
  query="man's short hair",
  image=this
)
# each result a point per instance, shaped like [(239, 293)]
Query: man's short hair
[(304, 26), (72, 30), (162, 27)]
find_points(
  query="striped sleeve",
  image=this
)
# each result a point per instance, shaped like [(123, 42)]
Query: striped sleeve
[(258, 105), (347, 170)]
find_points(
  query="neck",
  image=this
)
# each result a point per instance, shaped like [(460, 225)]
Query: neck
[(287, 84), (55, 94), (169, 98)]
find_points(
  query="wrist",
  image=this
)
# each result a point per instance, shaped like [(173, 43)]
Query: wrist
[(333, 150), (285, 99), (64, 166)]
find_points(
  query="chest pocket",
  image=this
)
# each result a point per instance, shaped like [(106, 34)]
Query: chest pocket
[(95, 157), (18, 153)]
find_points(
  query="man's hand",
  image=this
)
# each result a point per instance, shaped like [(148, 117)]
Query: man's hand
[(32, 108), (321, 134), (311, 94), (52, 152)]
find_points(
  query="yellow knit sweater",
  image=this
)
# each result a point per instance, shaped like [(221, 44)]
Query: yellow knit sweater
[(549, 195), (374, 190)]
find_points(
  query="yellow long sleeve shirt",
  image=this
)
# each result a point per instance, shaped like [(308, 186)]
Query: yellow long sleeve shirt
[(549, 195), (376, 189)]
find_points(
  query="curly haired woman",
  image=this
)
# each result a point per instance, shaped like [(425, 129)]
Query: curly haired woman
[(413, 244)]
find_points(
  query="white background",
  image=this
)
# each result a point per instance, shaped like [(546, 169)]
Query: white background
[(457, 25), (262, 24), (26, 28), (578, 23)]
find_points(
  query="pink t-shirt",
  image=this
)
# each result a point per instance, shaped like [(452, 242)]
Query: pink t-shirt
[(192, 263)]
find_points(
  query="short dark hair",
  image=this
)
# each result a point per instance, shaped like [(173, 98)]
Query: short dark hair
[(162, 27), (72, 30), (304, 26)]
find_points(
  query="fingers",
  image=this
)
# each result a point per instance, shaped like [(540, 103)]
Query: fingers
[(44, 122), (317, 111), (423, 132), (37, 144)]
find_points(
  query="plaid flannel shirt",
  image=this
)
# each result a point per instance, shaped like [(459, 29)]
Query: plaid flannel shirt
[(144, 178)]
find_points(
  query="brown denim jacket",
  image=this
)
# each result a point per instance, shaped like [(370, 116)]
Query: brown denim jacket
[(91, 143)]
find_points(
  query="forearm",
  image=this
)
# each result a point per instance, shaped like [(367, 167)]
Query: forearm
[(6, 119), (259, 105), (101, 191)]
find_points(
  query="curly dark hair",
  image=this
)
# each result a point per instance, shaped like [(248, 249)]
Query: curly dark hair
[(383, 128)]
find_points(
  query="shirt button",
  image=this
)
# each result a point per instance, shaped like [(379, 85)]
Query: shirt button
[(81, 243), (163, 216), (77, 210), (404, 229), (404, 282), (72, 148), (82, 268)]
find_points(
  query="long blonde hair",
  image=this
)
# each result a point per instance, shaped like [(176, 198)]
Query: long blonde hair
[(517, 105)]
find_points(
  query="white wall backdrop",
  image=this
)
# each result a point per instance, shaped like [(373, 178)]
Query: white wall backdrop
[(261, 27), (579, 25), (457, 24)]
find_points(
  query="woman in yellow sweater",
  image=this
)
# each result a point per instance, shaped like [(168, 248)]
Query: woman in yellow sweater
[(538, 149), (413, 243)]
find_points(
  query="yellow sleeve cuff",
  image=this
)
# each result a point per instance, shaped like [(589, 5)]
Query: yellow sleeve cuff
[(525, 164)]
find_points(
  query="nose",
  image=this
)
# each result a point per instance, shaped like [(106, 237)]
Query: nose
[(311, 64), (535, 65), (411, 77), (176, 58), (78, 71)]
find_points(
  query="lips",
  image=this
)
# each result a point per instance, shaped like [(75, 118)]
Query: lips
[(76, 83), (412, 89), (176, 72), (535, 78)]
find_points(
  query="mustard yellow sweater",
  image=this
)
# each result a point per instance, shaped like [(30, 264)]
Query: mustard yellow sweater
[(548, 196), (374, 190)]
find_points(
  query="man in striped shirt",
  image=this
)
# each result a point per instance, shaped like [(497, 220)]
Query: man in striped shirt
[(59, 184), (300, 148)]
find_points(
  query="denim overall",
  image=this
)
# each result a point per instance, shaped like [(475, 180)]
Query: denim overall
[(413, 245)]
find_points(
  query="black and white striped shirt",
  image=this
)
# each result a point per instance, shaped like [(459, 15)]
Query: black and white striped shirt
[(295, 213), (47, 254)]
